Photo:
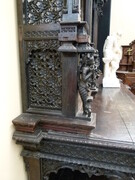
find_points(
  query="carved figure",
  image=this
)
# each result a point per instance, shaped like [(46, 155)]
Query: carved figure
[(112, 55), (84, 84), (87, 81)]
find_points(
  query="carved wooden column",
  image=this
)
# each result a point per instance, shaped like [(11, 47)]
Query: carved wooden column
[(68, 34), (88, 15), (97, 12)]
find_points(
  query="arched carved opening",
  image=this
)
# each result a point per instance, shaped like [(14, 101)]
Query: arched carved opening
[(59, 170), (68, 174)]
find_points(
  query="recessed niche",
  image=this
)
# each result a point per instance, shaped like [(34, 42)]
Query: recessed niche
[(68, 174)]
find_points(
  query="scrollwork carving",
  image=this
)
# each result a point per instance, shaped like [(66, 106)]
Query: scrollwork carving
[(44, 74), (42, 12)]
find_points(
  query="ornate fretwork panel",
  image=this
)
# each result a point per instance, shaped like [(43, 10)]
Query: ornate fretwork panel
[(42, 11), (53, 166), (44, 74)]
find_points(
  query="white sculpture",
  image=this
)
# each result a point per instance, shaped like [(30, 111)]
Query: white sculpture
[(112, 55)]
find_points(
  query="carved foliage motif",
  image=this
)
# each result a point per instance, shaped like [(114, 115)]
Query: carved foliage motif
[(42, 11), (44, 74)]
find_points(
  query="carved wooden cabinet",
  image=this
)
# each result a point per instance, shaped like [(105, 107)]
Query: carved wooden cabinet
[(127, 62), (126, 71), (59, 68)]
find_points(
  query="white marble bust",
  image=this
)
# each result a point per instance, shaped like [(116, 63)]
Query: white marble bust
[(112, 52)]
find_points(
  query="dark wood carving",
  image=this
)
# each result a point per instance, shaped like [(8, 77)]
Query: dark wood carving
[(41, 34), (54, 166), (88, 73), (58, 65), (42, 12), (75, 39), (44, 74), (109, 151), (40, 61)]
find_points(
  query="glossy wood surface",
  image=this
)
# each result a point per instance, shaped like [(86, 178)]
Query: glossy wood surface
[(115, 109), (111, 145)]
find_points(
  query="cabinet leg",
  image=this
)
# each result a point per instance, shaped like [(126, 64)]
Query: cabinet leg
[(33, 168)]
